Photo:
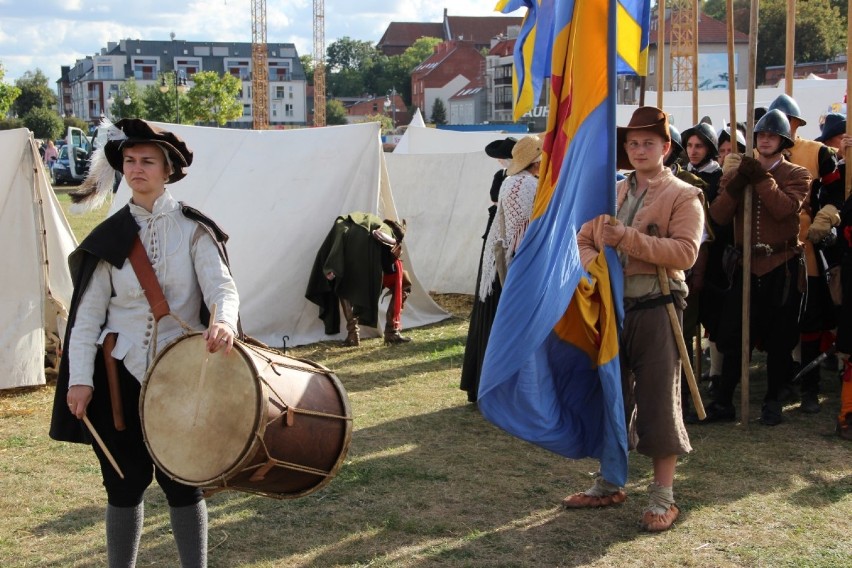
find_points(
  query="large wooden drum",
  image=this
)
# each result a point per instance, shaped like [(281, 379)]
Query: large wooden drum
[(254, 420)]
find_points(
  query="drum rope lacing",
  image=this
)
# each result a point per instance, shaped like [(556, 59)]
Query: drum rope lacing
[(295, 409)]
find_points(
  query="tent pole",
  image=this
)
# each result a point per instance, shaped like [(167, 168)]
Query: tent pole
[(747, 214), (790, 56)]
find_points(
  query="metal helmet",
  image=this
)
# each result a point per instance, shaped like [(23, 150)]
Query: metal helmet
[(725, 136), (788, 106), (677, 144), (775, 122), (707, 135)]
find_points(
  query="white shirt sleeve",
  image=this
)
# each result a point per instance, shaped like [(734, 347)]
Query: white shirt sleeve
[(214, 279), (91, 317)]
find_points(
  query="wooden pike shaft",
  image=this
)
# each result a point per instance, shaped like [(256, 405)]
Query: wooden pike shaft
[(678, 335)]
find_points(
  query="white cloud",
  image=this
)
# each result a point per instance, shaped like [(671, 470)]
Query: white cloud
[(51, 33)]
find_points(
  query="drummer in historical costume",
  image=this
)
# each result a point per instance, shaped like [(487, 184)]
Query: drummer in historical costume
[(112, 335)]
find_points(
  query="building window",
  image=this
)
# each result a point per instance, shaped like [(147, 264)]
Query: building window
[(279, 70), (238, 68), (189, 66), (279, 92), (288, 110), (145, 68), (105, 72), (246, 110)]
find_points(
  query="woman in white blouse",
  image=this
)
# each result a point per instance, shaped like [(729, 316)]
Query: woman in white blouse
[(186, 251)]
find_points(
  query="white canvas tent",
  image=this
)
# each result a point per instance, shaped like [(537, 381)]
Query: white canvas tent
[(35, 285), (444, 200), (277, 193)]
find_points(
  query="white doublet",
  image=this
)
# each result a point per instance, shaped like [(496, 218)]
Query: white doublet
[(186, 260)]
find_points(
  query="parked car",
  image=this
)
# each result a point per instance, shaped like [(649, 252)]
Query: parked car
[(62, 168)]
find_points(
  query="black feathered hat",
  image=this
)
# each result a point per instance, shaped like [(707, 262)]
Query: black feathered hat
[(501, 149)]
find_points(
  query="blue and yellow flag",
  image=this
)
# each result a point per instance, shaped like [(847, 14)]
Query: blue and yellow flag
[(534, 45), (551, 371), (633, 22)]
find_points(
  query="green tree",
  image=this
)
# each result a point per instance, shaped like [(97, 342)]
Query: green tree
[(346, 83), (74, 121), (163, 107), (128, 102), (348, 53), (384, 120), (308, 65), (35, 93), (419, 51), (335, 112), (213, 98), (11, 123), (439, 112), (44, 123), (820, 29), (8, 94)]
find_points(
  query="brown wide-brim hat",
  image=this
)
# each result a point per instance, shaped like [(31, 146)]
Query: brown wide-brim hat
[(526, 151), (644, 118), (501, 149), (129, 132)]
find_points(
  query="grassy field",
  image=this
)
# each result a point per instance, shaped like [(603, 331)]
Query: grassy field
[(428, 482)]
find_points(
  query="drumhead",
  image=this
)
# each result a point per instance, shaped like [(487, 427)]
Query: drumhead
[(199, 428)]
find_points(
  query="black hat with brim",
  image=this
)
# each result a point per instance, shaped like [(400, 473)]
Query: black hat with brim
[(501, 149), (134, 131)]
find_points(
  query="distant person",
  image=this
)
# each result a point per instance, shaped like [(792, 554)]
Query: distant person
[(482, 314), (50, 155), (651, 196), (360, 256)]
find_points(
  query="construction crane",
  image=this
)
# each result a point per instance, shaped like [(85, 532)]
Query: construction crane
[(319, 62), (260, 68), (684, 43)]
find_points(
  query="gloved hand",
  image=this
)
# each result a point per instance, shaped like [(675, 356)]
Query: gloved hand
[(612, 232), (732, 162), (752, 170), (824, 220)]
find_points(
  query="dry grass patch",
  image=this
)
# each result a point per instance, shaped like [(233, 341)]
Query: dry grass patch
[(428, 482)]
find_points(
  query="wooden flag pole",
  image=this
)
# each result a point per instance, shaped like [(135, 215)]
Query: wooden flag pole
[(848, 153), (732, 73), (695, 14), (661, 51), (747, 215), (790, 58)]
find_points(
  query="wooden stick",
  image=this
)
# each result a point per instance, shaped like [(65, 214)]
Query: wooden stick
[(732, 74), (677, 331), (102, 446), (694, 25), (661, 51), (203, 377), (848, 153), (745, 351), (790, 48)]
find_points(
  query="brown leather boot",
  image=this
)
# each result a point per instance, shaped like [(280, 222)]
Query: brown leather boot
[(844, 429), (393, 337), (353, 338)]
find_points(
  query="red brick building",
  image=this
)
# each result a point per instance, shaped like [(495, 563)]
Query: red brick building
[(452, 66), (477, 30)]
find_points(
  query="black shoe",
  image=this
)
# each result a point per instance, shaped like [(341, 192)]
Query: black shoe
[(770, 414), (716, 413), (810, 403)]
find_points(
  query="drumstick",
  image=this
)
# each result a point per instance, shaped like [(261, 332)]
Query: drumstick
[(102, 446), (203, 375)]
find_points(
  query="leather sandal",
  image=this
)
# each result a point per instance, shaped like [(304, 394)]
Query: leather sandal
[(653, 522), (583, 501)]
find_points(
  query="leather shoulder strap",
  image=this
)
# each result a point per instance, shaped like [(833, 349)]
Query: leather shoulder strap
[(148, 279)]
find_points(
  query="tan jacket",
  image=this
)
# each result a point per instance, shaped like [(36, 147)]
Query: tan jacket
[(775, 217), (675, 207)]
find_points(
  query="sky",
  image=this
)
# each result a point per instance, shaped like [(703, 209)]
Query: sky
[(47, 34)]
